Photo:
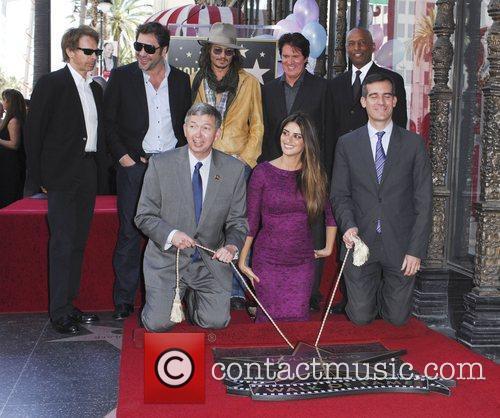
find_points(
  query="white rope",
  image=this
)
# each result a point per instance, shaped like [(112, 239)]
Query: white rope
[(175, 314)]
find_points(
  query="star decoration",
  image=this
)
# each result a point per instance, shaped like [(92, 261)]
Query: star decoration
[(188, 54), (257, 72), (111, 335), (262, 54), (243, 52)]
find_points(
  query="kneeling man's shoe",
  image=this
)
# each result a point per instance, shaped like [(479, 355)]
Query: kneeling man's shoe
[(82, 317), (65, 325), (238, 304), (122, 311)]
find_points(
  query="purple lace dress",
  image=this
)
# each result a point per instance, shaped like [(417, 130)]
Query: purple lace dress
[(283, 253)]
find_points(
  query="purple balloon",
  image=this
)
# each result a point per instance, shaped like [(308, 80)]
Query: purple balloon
[(308, 10), (391, 53), (297, 19), (285, 26), (377, 32)]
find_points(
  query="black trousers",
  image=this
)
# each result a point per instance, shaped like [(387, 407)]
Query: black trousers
[(127, 256), (69, 217), (378, 286)]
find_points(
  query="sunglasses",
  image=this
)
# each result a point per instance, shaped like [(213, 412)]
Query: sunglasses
[(227, 52), (90, 51), (150, 49)]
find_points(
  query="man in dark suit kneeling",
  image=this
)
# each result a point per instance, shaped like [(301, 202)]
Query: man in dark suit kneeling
[(382, 190)]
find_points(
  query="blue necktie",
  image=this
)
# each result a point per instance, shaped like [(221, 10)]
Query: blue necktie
[(198, 200), (379, 165)]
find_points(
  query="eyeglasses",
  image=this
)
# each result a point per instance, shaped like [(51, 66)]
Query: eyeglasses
[(227, 52), (90, 51), (150, 49)]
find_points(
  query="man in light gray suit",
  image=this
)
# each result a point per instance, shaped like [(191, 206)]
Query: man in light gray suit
[(382, 191), (192, 194)]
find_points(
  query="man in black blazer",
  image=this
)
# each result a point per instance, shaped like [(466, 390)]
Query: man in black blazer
[(64, 147), (345, 94), (145, 105), (297, 90), (382, 191)]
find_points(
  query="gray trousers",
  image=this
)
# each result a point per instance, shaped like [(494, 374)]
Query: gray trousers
[(378, 287), (207, 301)]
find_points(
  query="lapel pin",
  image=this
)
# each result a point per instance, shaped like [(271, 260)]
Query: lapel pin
[(217, 177)]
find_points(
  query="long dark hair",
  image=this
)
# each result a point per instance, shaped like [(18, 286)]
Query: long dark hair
[(16, 108), (312, 180)]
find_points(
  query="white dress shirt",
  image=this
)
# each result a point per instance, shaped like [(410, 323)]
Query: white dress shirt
[(204, 173), (372, 132), (160, 136), (89, 108), (364, 71)]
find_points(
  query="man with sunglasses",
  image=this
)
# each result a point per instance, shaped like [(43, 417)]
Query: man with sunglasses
[(222, 83), (145, 106), (66, 157)]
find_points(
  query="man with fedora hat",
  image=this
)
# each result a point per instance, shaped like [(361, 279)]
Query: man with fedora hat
[(222, 83)]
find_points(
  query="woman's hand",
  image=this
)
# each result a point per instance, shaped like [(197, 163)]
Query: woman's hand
[(324, 252), (247, 271)]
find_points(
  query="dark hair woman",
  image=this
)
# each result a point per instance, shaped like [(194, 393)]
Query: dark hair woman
[(12, 161), (284, 198)]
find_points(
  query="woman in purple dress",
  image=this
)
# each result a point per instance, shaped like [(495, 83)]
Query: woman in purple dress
[(284, 198)]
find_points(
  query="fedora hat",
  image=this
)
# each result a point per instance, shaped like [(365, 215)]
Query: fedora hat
[(223, 34)]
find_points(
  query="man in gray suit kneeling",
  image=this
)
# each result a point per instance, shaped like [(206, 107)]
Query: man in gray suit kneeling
[(382, 190), (193, 194)]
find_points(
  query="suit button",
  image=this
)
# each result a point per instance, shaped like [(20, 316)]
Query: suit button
[(84, 139), (350, 130), (195, 236), (351, 112), (379, 200)]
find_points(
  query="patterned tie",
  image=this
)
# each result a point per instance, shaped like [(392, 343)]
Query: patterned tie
[(198, 201), (356, 87), (379, 165)]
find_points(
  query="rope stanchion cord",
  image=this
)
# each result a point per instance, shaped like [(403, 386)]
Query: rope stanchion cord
[(246, 286), (331, 299)]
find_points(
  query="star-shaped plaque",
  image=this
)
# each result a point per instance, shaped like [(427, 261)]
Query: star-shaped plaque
[(111, 335)]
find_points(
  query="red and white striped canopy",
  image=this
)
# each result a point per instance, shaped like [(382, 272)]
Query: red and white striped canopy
[(193, 14)]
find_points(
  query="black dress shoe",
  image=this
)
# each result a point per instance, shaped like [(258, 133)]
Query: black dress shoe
[(83, 318), (65, 325), (238, 304), (338, 308), (314, 305), (122, 311)]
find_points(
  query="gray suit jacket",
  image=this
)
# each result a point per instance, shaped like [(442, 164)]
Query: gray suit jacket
[(166, 203), (402, 201)]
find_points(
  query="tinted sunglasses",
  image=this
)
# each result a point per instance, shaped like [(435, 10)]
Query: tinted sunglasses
[(150, 49), (90, 51), (227, 52)]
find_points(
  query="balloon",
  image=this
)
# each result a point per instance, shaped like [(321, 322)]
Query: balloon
[(311, 64), (285, 26), (316, 35), (391, 53), (297, 19), (377, 32), (308, 10)]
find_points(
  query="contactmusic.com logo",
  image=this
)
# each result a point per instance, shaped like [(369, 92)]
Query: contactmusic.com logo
[(174, 368)]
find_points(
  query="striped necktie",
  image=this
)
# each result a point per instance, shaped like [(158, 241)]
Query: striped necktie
[(198, 200), (379, 165)]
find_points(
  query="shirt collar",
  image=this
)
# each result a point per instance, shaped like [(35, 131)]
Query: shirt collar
[(298, 82), (78, 77), (364, 71), (167, 72), (387, 129), (193, 160)]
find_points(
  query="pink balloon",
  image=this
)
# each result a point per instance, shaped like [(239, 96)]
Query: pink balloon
[(391, 53), (285, 26), (308, 10), (377, 32), (297, 19)]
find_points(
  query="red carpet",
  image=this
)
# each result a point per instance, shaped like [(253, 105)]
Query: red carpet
[(471, 398)]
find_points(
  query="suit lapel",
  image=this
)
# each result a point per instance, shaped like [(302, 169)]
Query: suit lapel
[(185, 184), (214, 181), (392, 152), (75, 97), (367, 156), (171, 96), (142, 101), (279, 100)]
